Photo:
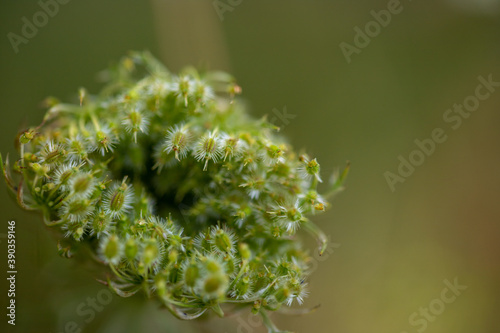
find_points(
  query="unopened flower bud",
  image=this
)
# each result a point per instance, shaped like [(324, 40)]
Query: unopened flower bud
[(131, 249), (82, 184), (27, 136), (173, 255), (245, 252), (256, 307), (161, 285), (177, 141), (223, 240), (191, 274), (111, 249), (209, 148), (150, 253), (117, 199)]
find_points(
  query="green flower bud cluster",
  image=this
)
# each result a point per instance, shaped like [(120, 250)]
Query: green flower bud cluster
[(175, 189)]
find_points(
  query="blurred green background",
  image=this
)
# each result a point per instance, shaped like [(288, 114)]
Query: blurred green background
[(392, 249)]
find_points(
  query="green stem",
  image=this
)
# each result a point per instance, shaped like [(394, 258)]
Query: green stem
[(59, 204), (319, 234), (145, 284), (118, 274), (22, 154), (314, 183), (240, 274), (269, 323), (94, 121)]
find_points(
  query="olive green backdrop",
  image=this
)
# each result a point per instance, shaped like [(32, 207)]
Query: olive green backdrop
[(392, 250)]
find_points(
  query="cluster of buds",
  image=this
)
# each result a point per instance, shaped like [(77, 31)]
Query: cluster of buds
[(176, 190)]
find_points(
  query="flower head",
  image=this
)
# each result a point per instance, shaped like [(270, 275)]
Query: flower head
[(90, 172)]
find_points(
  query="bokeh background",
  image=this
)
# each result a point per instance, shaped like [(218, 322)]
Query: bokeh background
[(392, 249)]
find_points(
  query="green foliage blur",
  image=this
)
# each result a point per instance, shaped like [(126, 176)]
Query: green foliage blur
[(391, 250)]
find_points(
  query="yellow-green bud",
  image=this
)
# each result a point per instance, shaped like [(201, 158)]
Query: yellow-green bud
[(245, 251), (150, 253), (131, 249), (112, 249)]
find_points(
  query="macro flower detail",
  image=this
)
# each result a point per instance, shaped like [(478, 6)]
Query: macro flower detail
[(175, 191), (209, 148), (135, 122), (177, 141), (117, 199)]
